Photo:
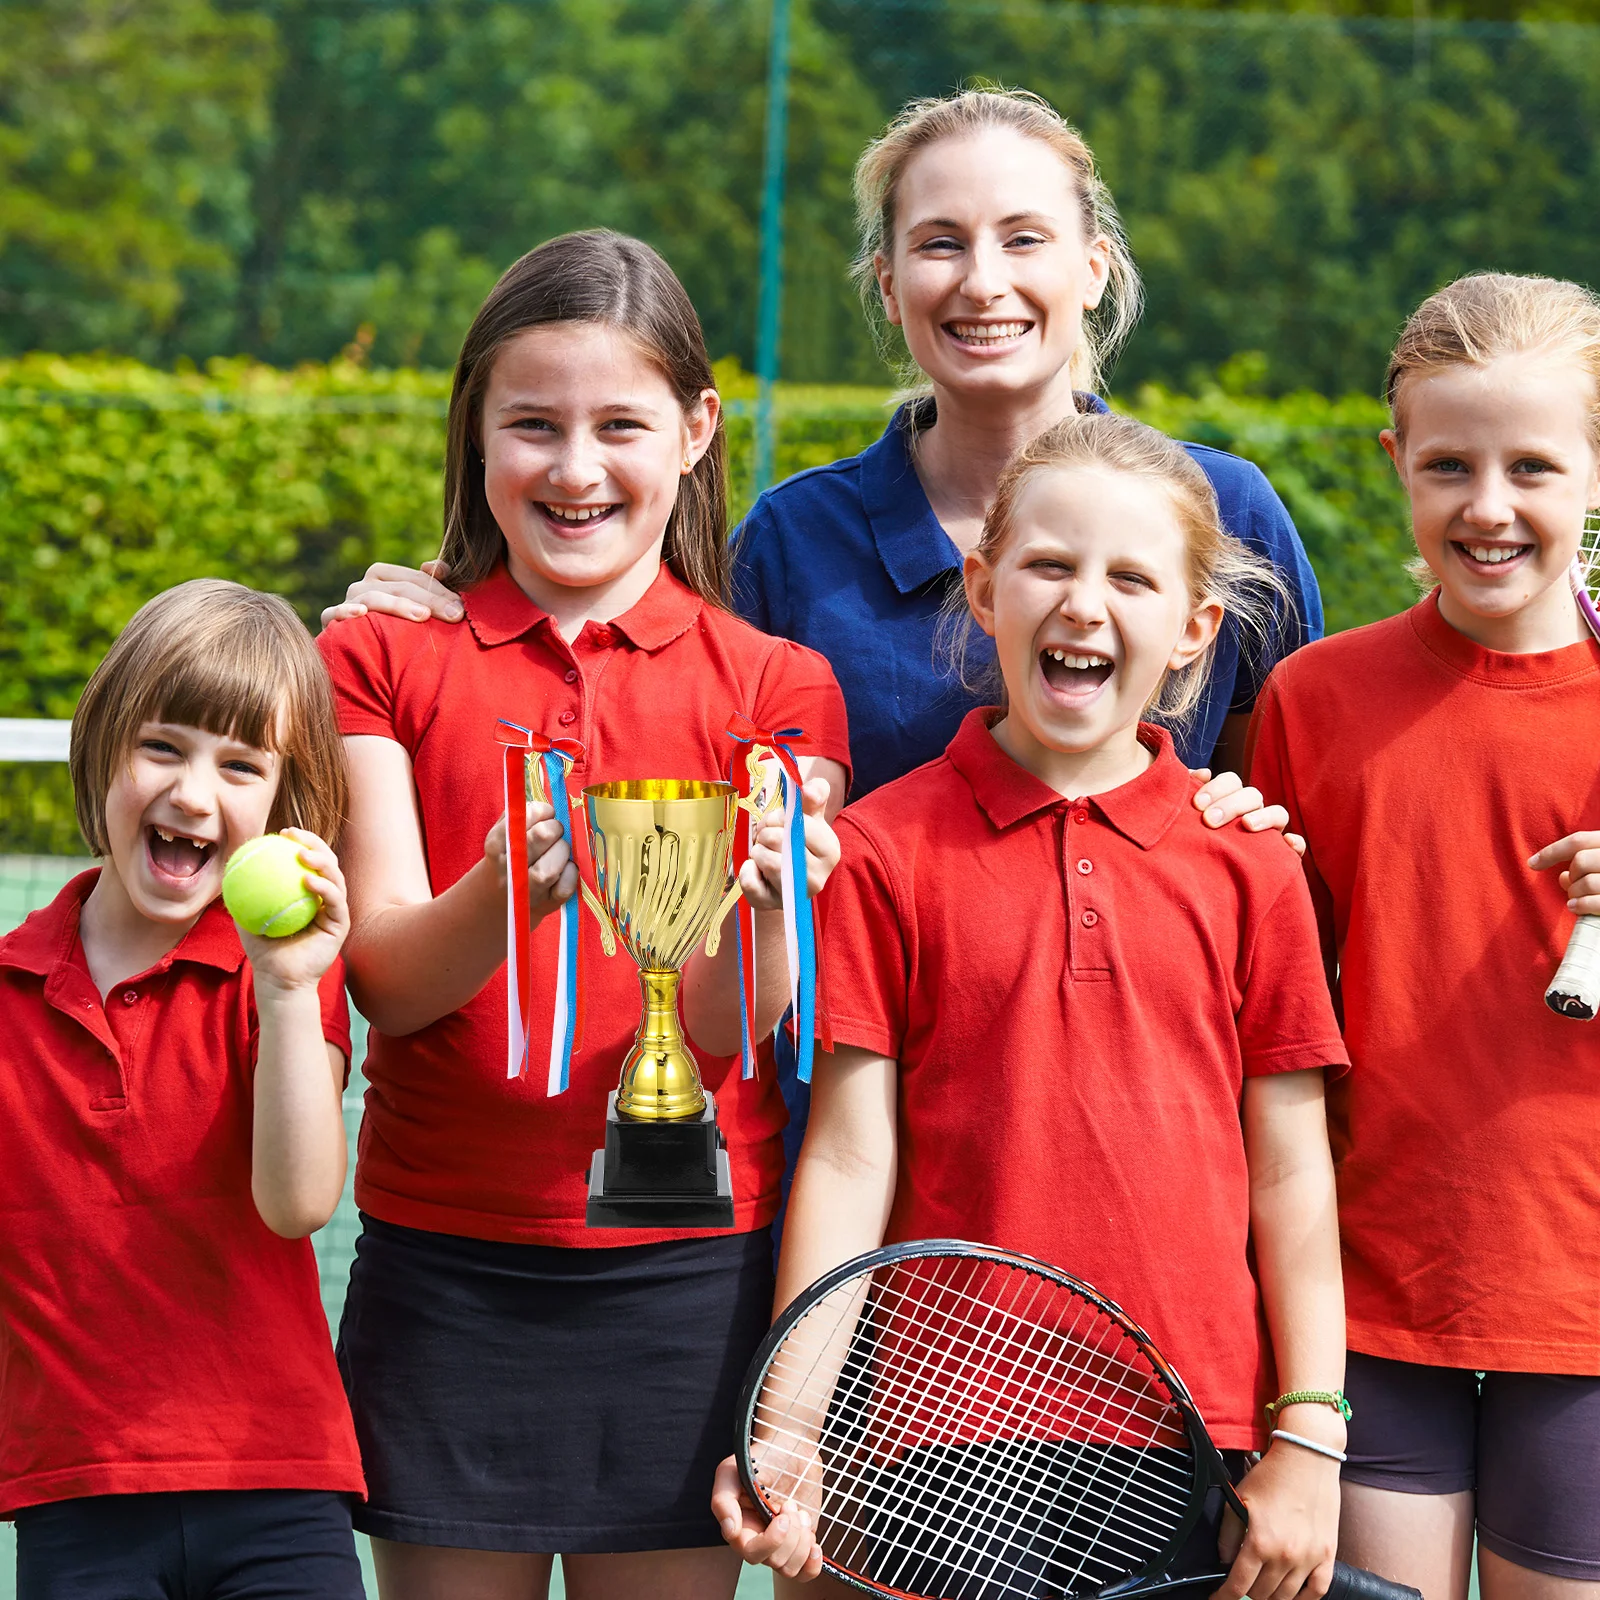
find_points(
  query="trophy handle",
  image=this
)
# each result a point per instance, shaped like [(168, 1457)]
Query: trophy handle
[(714, 932), (608, 937)]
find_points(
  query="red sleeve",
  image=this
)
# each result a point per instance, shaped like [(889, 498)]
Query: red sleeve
[(1286, 1020), (336, 1011), (798, 690), (363, 689), (335, 1016), (1271, 769), (868, 970)]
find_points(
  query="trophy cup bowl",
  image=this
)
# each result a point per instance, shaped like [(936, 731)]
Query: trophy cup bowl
[(662, 850)]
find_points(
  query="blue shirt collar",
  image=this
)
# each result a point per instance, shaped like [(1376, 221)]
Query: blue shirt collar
[(912, 546)]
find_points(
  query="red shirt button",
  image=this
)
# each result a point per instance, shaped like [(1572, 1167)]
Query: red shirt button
[(602, 636), (572, 674), (567, 718), (1090, 918), (1080, 816), (1086, 867), (129, 996)]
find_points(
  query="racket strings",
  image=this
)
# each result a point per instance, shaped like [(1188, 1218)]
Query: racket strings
[(904, 1397), (1586, 572), (1016, 1485), (979, 1424), (1150, 1404), (1045, 1489)]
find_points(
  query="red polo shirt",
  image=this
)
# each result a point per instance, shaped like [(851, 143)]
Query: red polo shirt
[(448, 1143), (1423, 771), (1075, 992), (155, 1334)]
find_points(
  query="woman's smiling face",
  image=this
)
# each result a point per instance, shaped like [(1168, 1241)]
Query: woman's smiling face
[(991, 272), (584, 444)]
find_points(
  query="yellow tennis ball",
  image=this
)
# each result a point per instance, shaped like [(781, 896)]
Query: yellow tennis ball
[(264, 887)]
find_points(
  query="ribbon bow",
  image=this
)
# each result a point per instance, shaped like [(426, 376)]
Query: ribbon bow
[(755, 787), (555, 758)]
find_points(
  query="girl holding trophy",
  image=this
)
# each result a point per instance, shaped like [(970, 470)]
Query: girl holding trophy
[(1072, 1021), (524, 1385)]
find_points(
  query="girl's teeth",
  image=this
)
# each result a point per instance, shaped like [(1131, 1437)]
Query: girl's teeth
[(1493, 554), (1083, 663), (577, 513)]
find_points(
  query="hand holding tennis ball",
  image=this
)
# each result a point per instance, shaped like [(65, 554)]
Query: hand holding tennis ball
[(286, 884), (264, 887)]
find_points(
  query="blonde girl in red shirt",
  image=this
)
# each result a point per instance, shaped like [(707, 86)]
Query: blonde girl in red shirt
[(1070, 1019), (1430, 760), (523, 1385)]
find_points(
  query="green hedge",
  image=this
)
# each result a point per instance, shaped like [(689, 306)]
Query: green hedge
[(117, 480)]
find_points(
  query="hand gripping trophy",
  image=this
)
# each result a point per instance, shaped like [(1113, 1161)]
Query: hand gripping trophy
[(664, 863)]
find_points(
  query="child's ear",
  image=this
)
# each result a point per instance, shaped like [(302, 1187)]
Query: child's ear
[(1198, 632), (1390, 441), (977, 577), (700, 423), (883, 267)]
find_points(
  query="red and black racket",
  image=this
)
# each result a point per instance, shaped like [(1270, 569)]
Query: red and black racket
[(967, 1424)]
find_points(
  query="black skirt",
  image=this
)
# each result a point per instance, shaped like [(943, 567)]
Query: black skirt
[(528, 1398)]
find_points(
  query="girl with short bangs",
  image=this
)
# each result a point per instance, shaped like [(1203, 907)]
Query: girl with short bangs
[(524, 1385), (1124, 1075), (1430, 760), (170, 1085)]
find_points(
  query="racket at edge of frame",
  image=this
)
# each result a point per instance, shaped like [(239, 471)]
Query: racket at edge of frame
[(1575, 989), (966, 1423)]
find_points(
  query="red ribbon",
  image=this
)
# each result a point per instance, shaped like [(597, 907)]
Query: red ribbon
[(520, 743)]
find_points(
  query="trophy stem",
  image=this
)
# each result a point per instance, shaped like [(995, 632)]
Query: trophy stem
[(660, 1082)]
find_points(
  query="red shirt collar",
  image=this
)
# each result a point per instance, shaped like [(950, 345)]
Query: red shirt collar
[(1142, 809), (498, 611), (49, 938)]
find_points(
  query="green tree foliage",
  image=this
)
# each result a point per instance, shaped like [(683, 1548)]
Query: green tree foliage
[(123, 133), (288, 178)]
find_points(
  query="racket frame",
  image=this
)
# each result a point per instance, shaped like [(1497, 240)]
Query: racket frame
[(1209, 1469), (1575, 990)]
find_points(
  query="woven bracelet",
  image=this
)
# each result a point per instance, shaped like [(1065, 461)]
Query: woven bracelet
[(1311, 1397)]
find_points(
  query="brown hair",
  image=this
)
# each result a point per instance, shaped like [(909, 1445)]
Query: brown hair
[(1485, 315), (609, 278), (925, 122), (233, 661), (1220, 568)]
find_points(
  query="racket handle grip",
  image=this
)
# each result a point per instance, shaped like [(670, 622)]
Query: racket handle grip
[(1353, 1583), (1575, 989)]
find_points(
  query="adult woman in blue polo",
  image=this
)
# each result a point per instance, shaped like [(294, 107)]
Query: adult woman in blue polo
[(989, 240)]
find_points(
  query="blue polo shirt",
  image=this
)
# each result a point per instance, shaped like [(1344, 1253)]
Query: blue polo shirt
[(850, 560)]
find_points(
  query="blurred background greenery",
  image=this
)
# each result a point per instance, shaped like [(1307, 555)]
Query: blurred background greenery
[(240, 240)]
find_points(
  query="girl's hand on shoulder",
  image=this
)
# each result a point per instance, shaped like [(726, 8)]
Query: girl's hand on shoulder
[(1579, 856), (1292, 1495), (761, 876), (787, 1544), (1228, 798), (552, 875), (299, 960), (415, 593)]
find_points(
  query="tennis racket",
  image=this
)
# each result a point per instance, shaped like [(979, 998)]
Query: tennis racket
[(967, 1424), (1575, 989)]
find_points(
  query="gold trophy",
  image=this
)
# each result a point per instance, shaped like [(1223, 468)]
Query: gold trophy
[(662, 850)]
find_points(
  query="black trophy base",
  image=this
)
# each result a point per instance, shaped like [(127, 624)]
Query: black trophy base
[(661, 1174)]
